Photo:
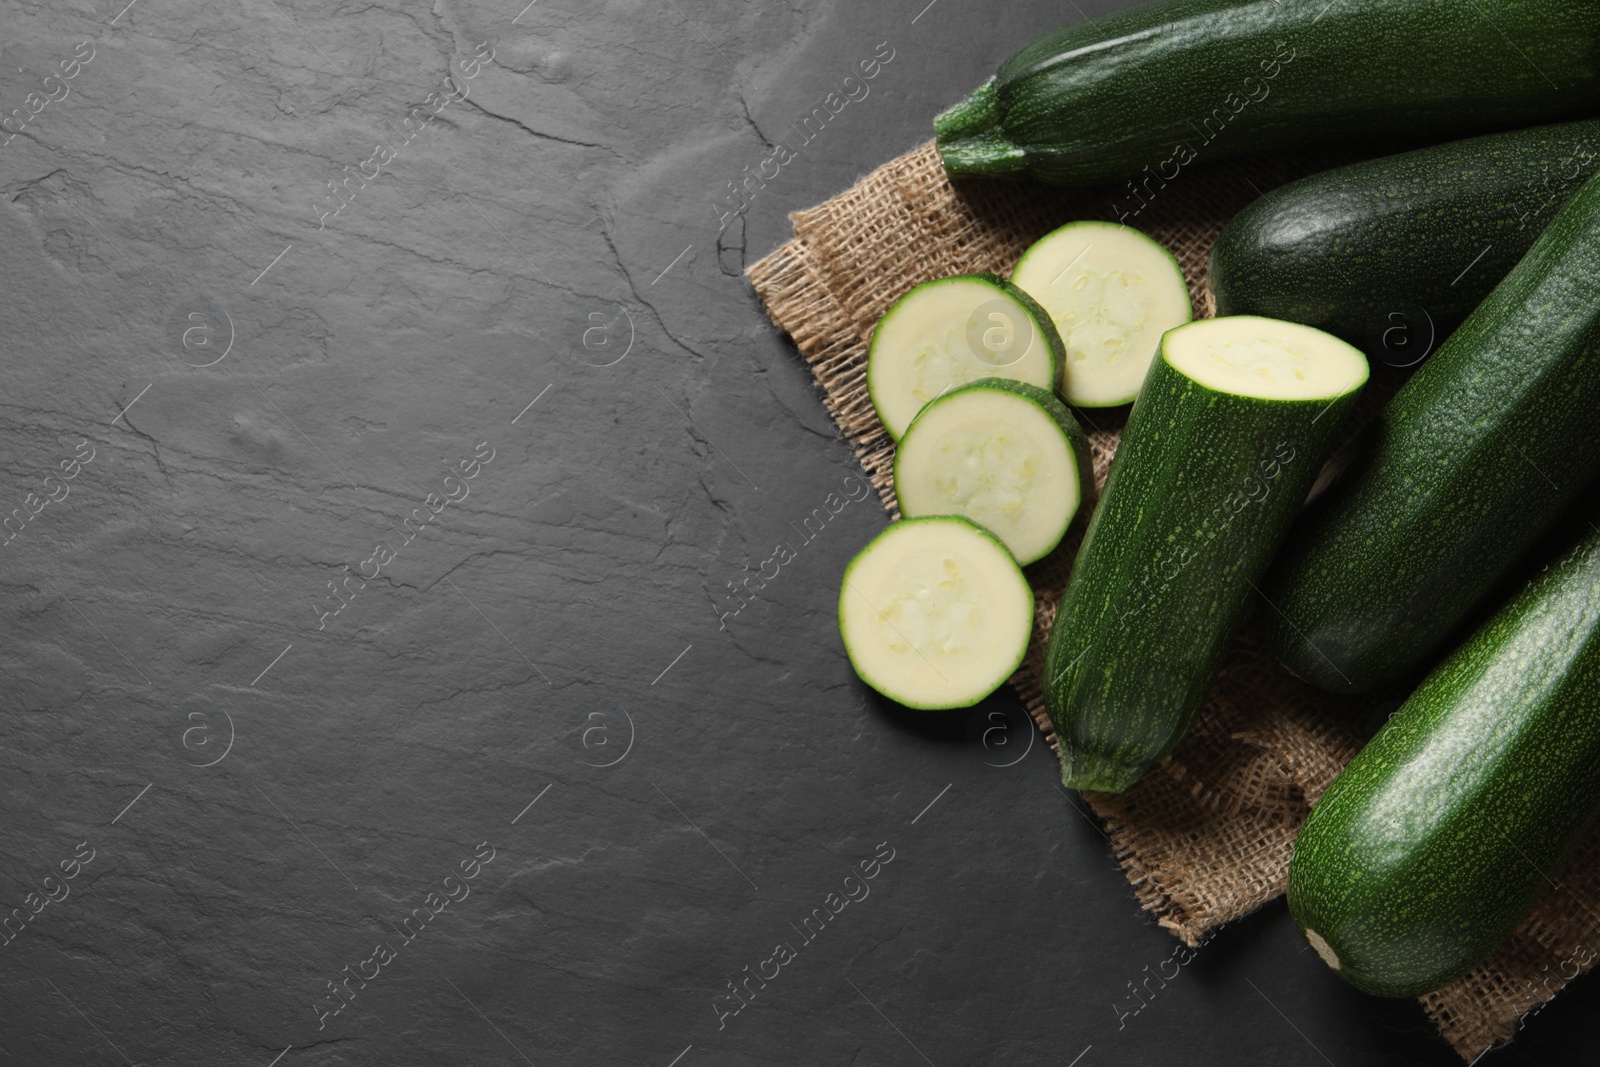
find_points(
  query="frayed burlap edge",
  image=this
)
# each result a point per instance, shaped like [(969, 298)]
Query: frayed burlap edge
[(1205, 837)]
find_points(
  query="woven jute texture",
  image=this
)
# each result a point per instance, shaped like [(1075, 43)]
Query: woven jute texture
[(1205, 837)]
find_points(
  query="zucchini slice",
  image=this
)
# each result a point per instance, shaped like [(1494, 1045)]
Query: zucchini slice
[(1230, 429), (935, 613), (1111, 293), (951, 331), (1006, 455)]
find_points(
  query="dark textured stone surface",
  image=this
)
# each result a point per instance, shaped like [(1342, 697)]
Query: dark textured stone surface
[(269, 793)]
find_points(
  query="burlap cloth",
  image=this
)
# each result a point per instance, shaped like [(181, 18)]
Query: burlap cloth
[(1205, 837)]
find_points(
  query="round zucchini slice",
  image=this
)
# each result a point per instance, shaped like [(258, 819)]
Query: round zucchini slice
[(1007, 455), (935, 613), (951, 331), (1111, 292)]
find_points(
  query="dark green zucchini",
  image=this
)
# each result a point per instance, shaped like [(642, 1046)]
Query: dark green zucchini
[(1235, 417), (1437, 839), (1476, 457), (1394, 253), (1142, 93)]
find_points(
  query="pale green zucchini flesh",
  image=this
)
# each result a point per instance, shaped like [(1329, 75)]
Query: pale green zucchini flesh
[(1111, 293), (935, 613), (951, 331), (1008, 456)]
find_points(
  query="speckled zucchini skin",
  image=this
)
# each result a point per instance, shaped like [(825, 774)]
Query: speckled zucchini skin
[(1442, 833), (1101, 99), (1475, 459), (1202, 489), (1435, 230)]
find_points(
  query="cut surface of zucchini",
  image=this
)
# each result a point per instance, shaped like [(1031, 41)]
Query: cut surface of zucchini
[(935, 613), (1264, 358), (1111, 292), (1007, 455), (951, 331)]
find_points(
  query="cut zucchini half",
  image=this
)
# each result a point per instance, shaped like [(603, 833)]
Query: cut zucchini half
[(951, 331), (1232, 425), (1111, 292), (1007, 455), (935, 613)]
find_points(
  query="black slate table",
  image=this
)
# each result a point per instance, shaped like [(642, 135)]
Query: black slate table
[(387, 424)]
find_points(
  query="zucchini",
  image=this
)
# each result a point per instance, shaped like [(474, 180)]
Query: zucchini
[(1138, 95), (951, 331), (935, 613), (1008, 456), (1476, 457), (1360, 250), (1230, 429), (1437, 839), (1111, 293)]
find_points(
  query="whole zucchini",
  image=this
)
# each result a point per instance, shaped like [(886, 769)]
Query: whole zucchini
[(1471, 463), (1142, 93), (1437, 839), (1360, 250), (1235, 417)]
